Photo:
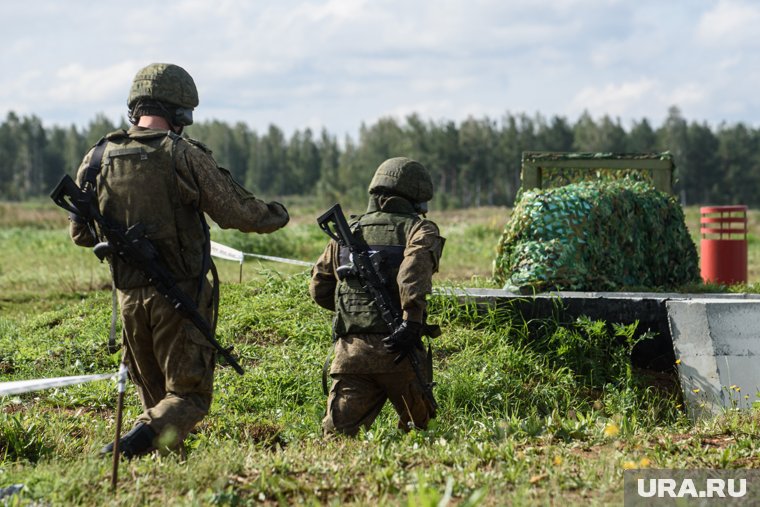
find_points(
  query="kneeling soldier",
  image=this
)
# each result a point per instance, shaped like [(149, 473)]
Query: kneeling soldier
[(364, 370)]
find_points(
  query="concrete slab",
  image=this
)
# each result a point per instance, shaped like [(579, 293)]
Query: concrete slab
[(717, 344), (647, 308), (715, 337)]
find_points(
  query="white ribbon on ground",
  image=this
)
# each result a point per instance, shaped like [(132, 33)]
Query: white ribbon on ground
[(280, 259), (229, 253), (225, 252), (27, 386)]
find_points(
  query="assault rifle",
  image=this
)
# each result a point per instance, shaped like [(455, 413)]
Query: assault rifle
[(367, 267), (134, 248)]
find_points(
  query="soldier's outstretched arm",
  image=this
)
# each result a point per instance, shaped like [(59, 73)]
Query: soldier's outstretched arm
[(212, 189)]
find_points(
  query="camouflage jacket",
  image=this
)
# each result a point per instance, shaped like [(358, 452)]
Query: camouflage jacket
[(364, 353), (195, 184)]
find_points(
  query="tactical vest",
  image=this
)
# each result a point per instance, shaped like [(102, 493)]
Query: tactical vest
[(137, 183), (384, 231)]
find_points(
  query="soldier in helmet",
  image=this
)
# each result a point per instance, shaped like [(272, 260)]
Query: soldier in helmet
[(365, 371), (151, 175)]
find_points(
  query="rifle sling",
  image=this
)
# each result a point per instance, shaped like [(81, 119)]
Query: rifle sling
[(93, 168), (89, 184)]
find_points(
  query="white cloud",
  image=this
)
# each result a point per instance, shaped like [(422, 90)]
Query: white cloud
[(688, 94), (730, 22), (427, 109), (445, 85), (337, 10), (77, 84), (294, 62), (614, 99)]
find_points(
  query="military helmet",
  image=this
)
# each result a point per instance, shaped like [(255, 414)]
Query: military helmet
[(166, 83), (405, 177)]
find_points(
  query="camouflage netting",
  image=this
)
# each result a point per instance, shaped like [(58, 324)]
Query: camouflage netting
[(592, 236)]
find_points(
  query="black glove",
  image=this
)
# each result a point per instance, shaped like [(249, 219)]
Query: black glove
[(405, 338), (279, 209)]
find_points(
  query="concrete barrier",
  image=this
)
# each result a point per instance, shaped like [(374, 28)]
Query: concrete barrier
[(647, 308), (714, 339), (717, 346)]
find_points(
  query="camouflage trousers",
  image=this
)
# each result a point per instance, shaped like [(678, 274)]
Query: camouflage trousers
[(355, 400), (169, 361)]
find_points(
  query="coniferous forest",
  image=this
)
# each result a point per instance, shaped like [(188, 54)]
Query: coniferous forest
[(474, 162)]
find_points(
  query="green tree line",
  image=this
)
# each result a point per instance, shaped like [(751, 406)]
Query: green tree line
[(474, 162)]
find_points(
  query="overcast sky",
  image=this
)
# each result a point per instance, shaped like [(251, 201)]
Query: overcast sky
[(338, 63)]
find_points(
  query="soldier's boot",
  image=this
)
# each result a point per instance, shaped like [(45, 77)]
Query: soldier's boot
[(138, 442)]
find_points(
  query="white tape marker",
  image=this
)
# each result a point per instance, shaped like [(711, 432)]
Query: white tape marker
[(280, 259), (27, 386), (225, 252)]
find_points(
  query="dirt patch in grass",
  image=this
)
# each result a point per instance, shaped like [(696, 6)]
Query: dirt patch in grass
[(257, 337), (37, 215)]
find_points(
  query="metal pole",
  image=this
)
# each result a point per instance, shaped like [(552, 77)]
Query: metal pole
[(122, 384)]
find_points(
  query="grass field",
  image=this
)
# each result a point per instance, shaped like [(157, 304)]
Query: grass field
[(530, 412)]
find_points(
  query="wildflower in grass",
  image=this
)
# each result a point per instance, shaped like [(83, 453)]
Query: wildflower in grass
[(557, 460), (644, 462), (629, 465), (612, 430)]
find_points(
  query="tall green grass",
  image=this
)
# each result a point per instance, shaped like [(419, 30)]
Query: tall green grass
[(514, 395), (531, 411)]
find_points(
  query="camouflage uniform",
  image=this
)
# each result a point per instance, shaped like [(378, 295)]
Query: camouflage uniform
[(168, 359), (363, 371)]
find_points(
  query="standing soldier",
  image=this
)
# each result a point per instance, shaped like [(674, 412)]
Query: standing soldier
[(151, 175), (364, 369)]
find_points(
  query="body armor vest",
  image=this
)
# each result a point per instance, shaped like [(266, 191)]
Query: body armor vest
[(385, 232), (137, 183)]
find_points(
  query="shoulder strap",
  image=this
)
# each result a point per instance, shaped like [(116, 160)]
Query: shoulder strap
[(199, 144), (93, 168)]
